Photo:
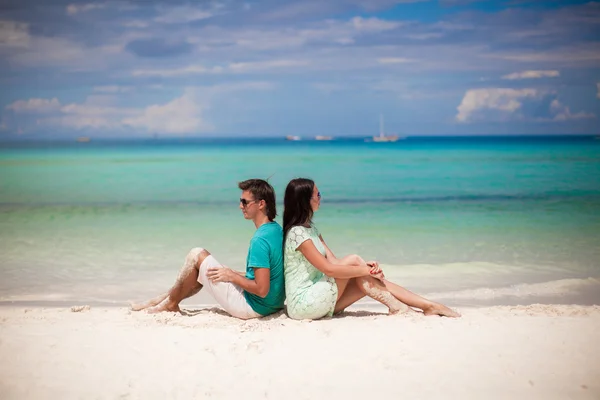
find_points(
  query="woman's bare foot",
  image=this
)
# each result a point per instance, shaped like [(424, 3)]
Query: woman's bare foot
[(406, 311), (441, 310)]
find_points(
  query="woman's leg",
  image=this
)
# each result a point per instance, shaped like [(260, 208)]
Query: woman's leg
[(414, 300), (409, 298), (348, 294), (352, 290)]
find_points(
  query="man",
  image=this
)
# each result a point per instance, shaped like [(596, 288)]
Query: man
[(258, 292)]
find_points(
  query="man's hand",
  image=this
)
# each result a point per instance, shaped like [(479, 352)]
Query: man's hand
[(220, 274)]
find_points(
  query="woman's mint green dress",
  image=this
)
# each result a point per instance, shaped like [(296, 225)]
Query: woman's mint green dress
[(310, 293)]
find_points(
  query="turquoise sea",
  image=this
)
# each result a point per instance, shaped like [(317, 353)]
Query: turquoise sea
[(468, 221)]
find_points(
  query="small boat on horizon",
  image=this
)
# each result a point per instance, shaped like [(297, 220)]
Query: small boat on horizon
[(83, 139), (293, 138), (320, 137), (382, 138)]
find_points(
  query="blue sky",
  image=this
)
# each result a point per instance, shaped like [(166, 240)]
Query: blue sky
[(276, 68)]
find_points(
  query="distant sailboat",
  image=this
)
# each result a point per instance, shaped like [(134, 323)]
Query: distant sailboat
[(382, 136), (293, 138)]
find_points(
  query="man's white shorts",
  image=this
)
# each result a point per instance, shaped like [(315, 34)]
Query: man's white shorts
[(228, 295)]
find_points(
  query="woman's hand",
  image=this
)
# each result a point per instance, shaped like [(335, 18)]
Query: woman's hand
[(379, 275), (374, 265), (376, 271)]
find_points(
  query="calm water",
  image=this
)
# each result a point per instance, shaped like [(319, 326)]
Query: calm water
[(467, 221)]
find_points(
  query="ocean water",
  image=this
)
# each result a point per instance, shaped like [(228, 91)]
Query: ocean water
[(467, 221)]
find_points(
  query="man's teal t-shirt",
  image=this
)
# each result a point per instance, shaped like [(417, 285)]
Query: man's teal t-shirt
[(266, 251)]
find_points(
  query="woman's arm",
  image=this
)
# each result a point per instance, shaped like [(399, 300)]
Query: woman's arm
[(352, 259), (323, 264), (328, 253)]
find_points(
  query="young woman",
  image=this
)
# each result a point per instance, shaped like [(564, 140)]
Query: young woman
[(318, 284)]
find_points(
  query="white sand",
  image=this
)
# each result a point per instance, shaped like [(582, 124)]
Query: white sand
[(533, 352)]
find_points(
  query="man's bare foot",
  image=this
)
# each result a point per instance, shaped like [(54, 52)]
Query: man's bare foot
[(147, 304), (164, 306), (441, 310), (137, 306)]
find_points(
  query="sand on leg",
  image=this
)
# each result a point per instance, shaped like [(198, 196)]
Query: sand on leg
[(186, 285), (414, 300), (403, 295), (356, 288)]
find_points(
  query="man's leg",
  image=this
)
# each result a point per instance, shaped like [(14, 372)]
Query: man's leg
[(186, 285)]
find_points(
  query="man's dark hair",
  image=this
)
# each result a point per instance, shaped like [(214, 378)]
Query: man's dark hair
[(261, 190)]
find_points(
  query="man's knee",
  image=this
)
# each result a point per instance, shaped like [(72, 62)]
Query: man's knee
[(197, 255)]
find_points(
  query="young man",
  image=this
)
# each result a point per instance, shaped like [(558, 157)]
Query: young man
[(258, 292)]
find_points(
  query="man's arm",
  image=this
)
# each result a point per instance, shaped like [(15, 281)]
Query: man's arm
[(258, 259), (259, 286)]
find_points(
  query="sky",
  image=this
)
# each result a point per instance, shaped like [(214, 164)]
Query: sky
[(313, 67)]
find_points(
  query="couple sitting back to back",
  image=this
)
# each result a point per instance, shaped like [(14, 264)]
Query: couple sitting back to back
[(316, 283)]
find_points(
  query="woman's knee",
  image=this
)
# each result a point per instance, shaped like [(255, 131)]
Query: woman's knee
[(356, 259)]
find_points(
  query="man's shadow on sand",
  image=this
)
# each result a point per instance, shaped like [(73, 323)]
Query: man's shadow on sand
[(280, 314)]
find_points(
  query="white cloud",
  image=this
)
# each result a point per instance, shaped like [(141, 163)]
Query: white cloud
[(577, 55), (536, 74), (189, 70), (35, 105), (14, 34), (136, 24), (112, 89), (183, 14), (563, 113), (321, 33), (182, 115), (505, 104), (239, 67), (73, 9), (328, 88), (425, 36), (264, 65), (507, 101), (179, 116), (21, 48), (393, 60), (373, 24)]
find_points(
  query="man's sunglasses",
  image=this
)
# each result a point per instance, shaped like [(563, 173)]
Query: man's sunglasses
[(246, 202)]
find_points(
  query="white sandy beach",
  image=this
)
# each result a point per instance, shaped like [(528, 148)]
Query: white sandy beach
[(524, 352)]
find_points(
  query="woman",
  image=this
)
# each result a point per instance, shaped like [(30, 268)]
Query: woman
[(318, 284)]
